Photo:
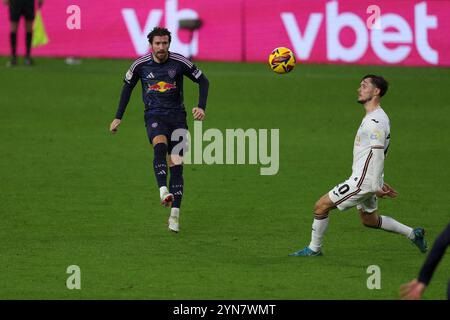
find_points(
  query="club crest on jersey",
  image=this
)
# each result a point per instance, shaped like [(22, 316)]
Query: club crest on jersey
[(375, 135), (154, 124), (172, 73), (161, 86)]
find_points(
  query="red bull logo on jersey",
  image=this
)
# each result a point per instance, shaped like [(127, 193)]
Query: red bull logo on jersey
[(162, 86)]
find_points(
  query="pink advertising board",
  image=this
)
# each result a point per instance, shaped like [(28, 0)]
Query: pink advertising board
[(398, 32)]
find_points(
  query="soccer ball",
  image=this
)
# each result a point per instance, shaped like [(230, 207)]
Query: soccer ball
[(282, 60)]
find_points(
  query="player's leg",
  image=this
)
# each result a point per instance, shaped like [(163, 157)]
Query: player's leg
[(157, 132), (160, 144), (344, 196), (13, 43), (320, 224), (29, 14), (176, 184), (177, 147), (14, 17), (368, 211), (28, 40)]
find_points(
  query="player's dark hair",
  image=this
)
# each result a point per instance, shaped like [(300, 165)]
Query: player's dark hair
[(157, 31), (379, 82)]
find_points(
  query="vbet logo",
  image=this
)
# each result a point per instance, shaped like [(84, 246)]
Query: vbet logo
[(379, 33), (388, 45), (138, 35)]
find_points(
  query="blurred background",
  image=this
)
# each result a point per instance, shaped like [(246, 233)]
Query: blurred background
[(392, 32)]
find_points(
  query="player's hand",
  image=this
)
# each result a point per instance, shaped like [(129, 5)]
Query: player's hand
[(381, 193), (199, 113), (386, 191), (114, 125), (412, 290), (391, 193)]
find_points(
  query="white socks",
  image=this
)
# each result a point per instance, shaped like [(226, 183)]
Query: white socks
[(175, 212), (389, 224), (163, 191), (318, 230)]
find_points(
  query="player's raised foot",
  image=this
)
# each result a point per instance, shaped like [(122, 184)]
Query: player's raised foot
[(306, 252), (167, 200), (166, 197), (174, 220), (419, 239)]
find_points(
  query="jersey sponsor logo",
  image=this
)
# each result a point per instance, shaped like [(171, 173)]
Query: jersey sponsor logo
[(172, 73), (129, 75), (162, 86)]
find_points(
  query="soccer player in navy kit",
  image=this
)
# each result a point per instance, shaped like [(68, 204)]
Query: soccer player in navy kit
[(161, 73)]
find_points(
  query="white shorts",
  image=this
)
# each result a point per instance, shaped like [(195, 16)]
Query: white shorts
[(349, 194)]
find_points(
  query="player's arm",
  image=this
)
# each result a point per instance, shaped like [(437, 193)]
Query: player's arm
[(435, 255), (377, 138), (414, 289), (130, 81), (380, 188), (199, 77)]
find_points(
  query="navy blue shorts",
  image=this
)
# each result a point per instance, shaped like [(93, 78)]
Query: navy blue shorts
[(166, 125)]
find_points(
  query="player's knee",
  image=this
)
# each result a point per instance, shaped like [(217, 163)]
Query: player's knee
[(159, 139), (320, 209)]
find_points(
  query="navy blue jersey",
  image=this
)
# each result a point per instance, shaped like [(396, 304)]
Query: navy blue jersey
[(162, 83)]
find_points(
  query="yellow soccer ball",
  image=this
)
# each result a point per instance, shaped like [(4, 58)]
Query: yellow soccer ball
[(282, 60)]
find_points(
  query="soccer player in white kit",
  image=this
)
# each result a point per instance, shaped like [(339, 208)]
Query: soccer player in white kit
[(366, 183)]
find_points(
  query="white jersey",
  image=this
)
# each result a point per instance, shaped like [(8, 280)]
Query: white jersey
[(373, 131)]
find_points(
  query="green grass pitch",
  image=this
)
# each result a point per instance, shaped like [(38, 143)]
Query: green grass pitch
[(73, 194)]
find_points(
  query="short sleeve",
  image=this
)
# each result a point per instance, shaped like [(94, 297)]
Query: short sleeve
[(375, 132)]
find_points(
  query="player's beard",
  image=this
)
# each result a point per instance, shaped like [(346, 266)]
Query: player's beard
[(162, 55), (364, 101)]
